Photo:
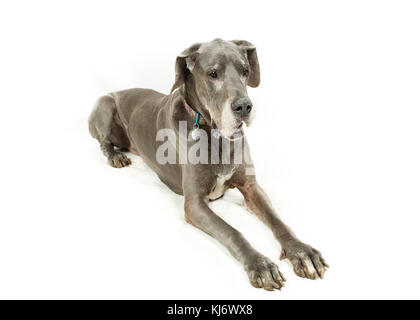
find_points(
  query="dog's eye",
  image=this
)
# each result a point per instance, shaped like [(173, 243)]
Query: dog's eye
[(245, 73), (213, 74)]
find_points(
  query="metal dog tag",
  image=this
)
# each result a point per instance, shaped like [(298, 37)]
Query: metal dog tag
[(195, 133)]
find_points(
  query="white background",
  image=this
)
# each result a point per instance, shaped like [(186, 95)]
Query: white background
[(335, 144)]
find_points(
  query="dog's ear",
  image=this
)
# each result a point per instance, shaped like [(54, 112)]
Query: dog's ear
[(251, 53), (184, 64)]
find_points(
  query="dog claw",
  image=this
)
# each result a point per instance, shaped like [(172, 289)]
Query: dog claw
[(119, 160), (263, 273), (306, 261)]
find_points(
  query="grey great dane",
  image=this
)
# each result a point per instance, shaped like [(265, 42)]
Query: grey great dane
[(210, 92)]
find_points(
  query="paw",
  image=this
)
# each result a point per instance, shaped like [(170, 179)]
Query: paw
[(307, 262), (119, 160), (263, 273)]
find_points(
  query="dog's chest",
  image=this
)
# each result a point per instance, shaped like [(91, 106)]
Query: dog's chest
[(219, 188)]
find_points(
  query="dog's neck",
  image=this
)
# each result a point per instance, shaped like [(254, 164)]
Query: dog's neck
[(192, 99)]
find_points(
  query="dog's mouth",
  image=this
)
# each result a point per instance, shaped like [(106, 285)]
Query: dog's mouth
[(238, 132)]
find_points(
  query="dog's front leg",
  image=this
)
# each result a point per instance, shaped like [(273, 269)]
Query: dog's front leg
[(262, 272), (307, 262)]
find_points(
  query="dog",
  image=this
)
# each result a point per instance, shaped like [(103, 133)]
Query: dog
[(209, 96)]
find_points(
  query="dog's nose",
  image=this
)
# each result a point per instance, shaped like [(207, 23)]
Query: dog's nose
[(242, 106)]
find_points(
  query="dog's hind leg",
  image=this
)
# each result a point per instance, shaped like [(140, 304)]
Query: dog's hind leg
[(105, 127)]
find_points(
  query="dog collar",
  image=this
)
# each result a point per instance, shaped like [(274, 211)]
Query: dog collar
[(199, 120)]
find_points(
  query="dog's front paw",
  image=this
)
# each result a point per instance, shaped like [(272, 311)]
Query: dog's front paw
[(307, 262), (263, 273)]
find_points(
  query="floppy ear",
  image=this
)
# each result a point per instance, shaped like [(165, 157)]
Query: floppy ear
[(184, 64), (251, 53)]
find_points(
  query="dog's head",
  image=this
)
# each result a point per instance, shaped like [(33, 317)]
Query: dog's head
[(217, 74)]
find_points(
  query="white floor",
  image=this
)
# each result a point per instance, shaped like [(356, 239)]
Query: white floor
[(335, 143)]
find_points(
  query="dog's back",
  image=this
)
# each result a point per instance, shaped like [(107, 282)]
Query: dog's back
[(130, 100)]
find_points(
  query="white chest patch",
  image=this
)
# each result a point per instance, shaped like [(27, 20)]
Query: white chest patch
[(219, 189)]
